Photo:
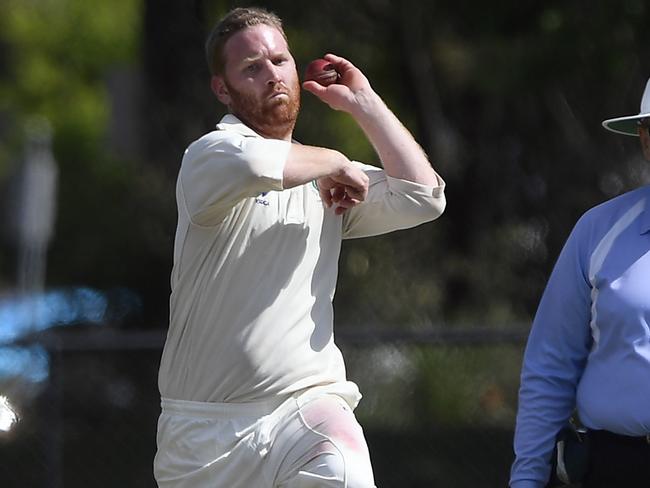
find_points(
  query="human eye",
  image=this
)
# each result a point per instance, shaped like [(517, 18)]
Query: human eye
[(252, 68), (280, 60)]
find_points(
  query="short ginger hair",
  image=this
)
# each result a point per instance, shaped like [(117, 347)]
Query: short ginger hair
[(234, 21)]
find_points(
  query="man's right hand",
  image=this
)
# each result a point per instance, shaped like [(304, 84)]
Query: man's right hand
[(340, 182), (345, 189)]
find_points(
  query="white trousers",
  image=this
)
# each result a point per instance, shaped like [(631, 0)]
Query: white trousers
[(304, 442)]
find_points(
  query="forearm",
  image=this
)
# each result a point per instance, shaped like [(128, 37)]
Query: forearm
[(555, 357), (401, 156), (308, 163), (339, 181)]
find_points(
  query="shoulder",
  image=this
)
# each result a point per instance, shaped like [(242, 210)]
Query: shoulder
[(607, 213), (230, 136), (611, 216), (219, 146), (215, 140)]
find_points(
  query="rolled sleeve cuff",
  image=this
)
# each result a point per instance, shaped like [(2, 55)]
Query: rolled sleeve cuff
[(429, 200), (398, 185)]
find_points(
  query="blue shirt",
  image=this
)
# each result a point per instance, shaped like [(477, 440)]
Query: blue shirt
[(589, 346)]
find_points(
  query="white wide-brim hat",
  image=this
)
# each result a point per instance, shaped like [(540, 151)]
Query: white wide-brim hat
[(629, 124)]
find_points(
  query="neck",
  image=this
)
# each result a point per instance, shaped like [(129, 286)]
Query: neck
[(275, 132), (270, 130)]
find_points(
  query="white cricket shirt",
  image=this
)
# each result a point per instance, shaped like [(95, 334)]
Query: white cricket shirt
[(255, 269)]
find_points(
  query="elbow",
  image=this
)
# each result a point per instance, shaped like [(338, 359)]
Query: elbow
[(437, 206), (425, 210), (434, 202), (433, 207)]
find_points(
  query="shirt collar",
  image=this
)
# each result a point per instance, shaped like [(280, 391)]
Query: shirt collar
[(232, 123)]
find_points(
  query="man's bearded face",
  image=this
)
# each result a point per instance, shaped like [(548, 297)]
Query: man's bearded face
[(272, 113)]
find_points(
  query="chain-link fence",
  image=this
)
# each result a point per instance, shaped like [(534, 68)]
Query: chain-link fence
[(438, 409)]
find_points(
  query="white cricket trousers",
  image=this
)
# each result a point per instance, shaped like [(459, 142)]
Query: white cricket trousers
[(304, 442)]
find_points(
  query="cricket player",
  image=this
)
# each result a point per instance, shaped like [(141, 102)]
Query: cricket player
[(254, 389)]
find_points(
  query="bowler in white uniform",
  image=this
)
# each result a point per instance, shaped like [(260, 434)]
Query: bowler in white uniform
[(254, 391)]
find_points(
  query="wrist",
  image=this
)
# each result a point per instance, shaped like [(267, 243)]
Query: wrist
[(368, 105), (340, 164)]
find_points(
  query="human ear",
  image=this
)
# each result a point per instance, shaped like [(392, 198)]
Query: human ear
[(219, 88)]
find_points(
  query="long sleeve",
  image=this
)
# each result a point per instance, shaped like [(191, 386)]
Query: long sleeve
[(555, 357)]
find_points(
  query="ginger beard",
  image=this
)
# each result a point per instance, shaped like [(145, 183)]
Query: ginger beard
[(271, 117)]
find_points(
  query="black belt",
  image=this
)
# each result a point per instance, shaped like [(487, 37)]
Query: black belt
[(611, 437)]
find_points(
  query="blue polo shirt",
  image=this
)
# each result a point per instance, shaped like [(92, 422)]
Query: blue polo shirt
[(589, 346)]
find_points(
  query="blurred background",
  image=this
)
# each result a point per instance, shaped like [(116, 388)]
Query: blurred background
[(98, 101)]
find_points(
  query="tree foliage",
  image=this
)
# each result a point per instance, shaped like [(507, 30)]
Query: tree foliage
[(60, 55), (505, 98)]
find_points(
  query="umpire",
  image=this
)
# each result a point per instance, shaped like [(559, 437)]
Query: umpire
[(589, 347)]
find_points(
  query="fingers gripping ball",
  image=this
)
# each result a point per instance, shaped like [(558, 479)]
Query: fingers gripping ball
[(322, 72)]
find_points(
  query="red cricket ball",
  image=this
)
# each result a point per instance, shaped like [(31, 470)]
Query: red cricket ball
[(322, 72)]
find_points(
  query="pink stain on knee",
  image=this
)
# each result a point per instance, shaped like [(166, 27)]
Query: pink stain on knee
[(329, 417)]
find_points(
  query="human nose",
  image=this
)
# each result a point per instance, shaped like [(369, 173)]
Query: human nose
[(274, 74)]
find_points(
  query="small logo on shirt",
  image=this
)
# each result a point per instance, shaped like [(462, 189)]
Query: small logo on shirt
[(261, 200)]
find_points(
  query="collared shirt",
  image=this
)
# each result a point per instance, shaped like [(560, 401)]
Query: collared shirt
[(589, 346), (255, 269)]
